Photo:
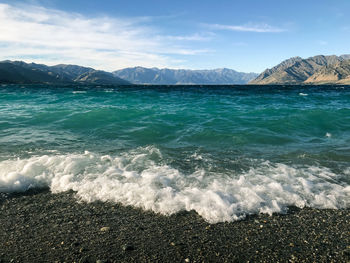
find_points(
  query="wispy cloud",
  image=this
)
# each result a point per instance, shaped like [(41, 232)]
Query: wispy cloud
[(258, 28), (53, 36), (195, 37)]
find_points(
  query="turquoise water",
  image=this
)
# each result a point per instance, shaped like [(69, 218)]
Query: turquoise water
[(224, 151)]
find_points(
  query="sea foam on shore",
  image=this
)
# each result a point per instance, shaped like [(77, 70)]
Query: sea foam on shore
[(135, 178)]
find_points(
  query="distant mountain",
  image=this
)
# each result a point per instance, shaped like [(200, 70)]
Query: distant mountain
[(140, 75), (297, 70), (19, 72), (338, 73), (99, 77), (71, 71), (345, 57)]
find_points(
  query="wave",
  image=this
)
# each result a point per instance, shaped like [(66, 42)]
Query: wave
[(136, 178), (79, 91)]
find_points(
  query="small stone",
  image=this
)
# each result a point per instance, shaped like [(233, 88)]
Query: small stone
[(75, 244), (172, 243), (82, 249), (85, 260), (293, 258), (105, 229), (187, 260), (128, 247)]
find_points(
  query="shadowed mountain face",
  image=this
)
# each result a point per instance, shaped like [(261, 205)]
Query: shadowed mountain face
[(19, 72), (140, 75), (311, 70)]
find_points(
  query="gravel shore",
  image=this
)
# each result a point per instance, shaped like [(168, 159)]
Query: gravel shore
[(39, 226)]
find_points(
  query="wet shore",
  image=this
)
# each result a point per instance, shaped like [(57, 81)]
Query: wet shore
[(39, 226)]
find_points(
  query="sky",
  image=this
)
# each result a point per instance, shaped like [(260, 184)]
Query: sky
[(247, 36)]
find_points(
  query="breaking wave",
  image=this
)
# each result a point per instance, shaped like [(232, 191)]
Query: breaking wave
[(136, 178)]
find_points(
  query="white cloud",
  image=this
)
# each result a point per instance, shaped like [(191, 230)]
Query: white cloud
[(258, 28), (51, 36), (194, 37)]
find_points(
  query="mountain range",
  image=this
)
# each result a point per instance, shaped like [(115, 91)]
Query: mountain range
[(140, 75), (296, 70), (314, 70), (19, 72)]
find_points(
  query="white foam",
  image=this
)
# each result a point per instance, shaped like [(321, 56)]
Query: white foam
[(108, 90), (303, 94), (135, 179)]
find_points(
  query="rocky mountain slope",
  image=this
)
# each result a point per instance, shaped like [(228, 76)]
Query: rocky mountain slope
[(19, 72), (297, 70), (338, 73), (140, 75)]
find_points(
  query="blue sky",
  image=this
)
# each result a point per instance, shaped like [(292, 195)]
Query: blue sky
[(247, 36)]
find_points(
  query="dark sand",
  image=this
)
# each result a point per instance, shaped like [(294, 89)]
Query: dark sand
[(45, 227)]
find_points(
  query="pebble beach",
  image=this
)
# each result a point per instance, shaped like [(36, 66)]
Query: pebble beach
[(38, 226)]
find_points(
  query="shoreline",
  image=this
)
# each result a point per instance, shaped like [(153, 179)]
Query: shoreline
[(38, 226)]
